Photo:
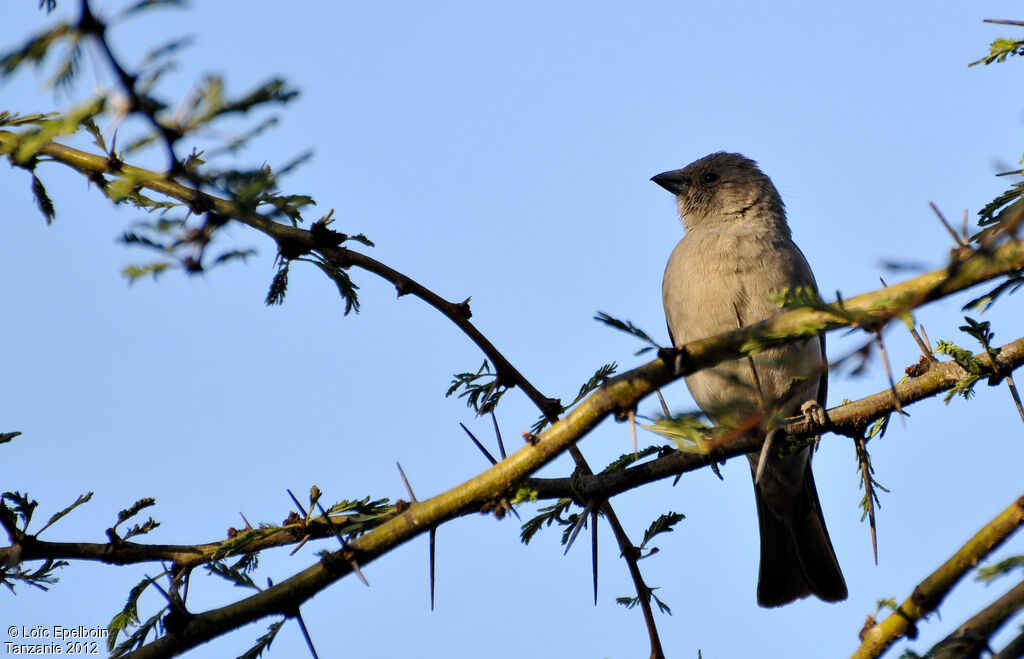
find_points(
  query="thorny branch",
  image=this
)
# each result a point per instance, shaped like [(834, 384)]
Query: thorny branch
[(929, 593), (620, 393)]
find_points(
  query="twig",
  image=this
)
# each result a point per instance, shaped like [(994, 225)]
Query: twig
[(972, 638), (888, 373), (929, 593), (849, 419), (628, 553), (867, 481), (344, 545)]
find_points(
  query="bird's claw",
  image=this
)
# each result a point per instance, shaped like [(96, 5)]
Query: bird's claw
[(814, 413)]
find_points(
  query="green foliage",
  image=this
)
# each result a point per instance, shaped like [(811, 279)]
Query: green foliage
[(35, 50), (133, 272), (28, 143), (982, 333), (346, 287), (663, 524), (627, 459), (244, 539), (1006, 566), (41, 578), (524, 495), (82, 498), (10, 119), (595, 381), (263, 642), (482, 389), (43, 201), (965, 385), (629, 328), (141, 5), (363, 515), (278, 285), (687, 431), (995, 211), (231, 573), (547, 516), (878, 428), (870, 502), (138, 637), (630, 602), (129, 617), (985, 301), (126, 514), (21, 509), (1000, 50), (8, 436)]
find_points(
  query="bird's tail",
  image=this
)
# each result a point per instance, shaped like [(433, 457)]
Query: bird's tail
[(797, 558)]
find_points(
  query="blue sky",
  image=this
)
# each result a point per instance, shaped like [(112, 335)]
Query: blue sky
[(504, 153)]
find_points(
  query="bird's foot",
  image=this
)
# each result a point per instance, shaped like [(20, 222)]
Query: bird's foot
[(814, 413)]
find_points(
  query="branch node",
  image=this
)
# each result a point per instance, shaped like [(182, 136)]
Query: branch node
[(324, 236), (290, 249), (462, 308)]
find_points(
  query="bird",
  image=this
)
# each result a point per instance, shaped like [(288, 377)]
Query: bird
[(736, 252)]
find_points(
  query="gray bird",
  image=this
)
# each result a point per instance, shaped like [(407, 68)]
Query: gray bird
[(737, 251)]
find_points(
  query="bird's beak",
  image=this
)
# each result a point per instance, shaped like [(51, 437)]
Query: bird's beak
[(674, 181)]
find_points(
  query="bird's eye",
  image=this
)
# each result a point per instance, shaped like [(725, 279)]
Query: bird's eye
[(710, 177)]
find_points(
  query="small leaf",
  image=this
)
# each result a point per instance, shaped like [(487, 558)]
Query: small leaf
[(627, 327), (663, 524), (8, 436), (82, 498), (43, 201)]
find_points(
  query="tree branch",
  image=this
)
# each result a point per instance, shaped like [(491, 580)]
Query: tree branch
[(849, 420), (845, 419), (929, 593), (972, 637), (967, 268)]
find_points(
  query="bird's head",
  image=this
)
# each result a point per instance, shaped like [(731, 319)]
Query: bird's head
[(722, 187)]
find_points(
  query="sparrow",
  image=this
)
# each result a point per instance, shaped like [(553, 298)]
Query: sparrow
[(738, 251)]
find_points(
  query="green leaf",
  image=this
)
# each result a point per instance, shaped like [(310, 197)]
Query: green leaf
[(133, 510), (35, 49), (278, 286), (43, 201), (999, 51), (135, 272), (346, 287), (8, 436), (482, 390), (129, 615), (663, 524), (687, 431), (547, 516), (82, 498), (990, 572), (23, 507), (236, 577), (263, 642), (627, 459), (627, 327)]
